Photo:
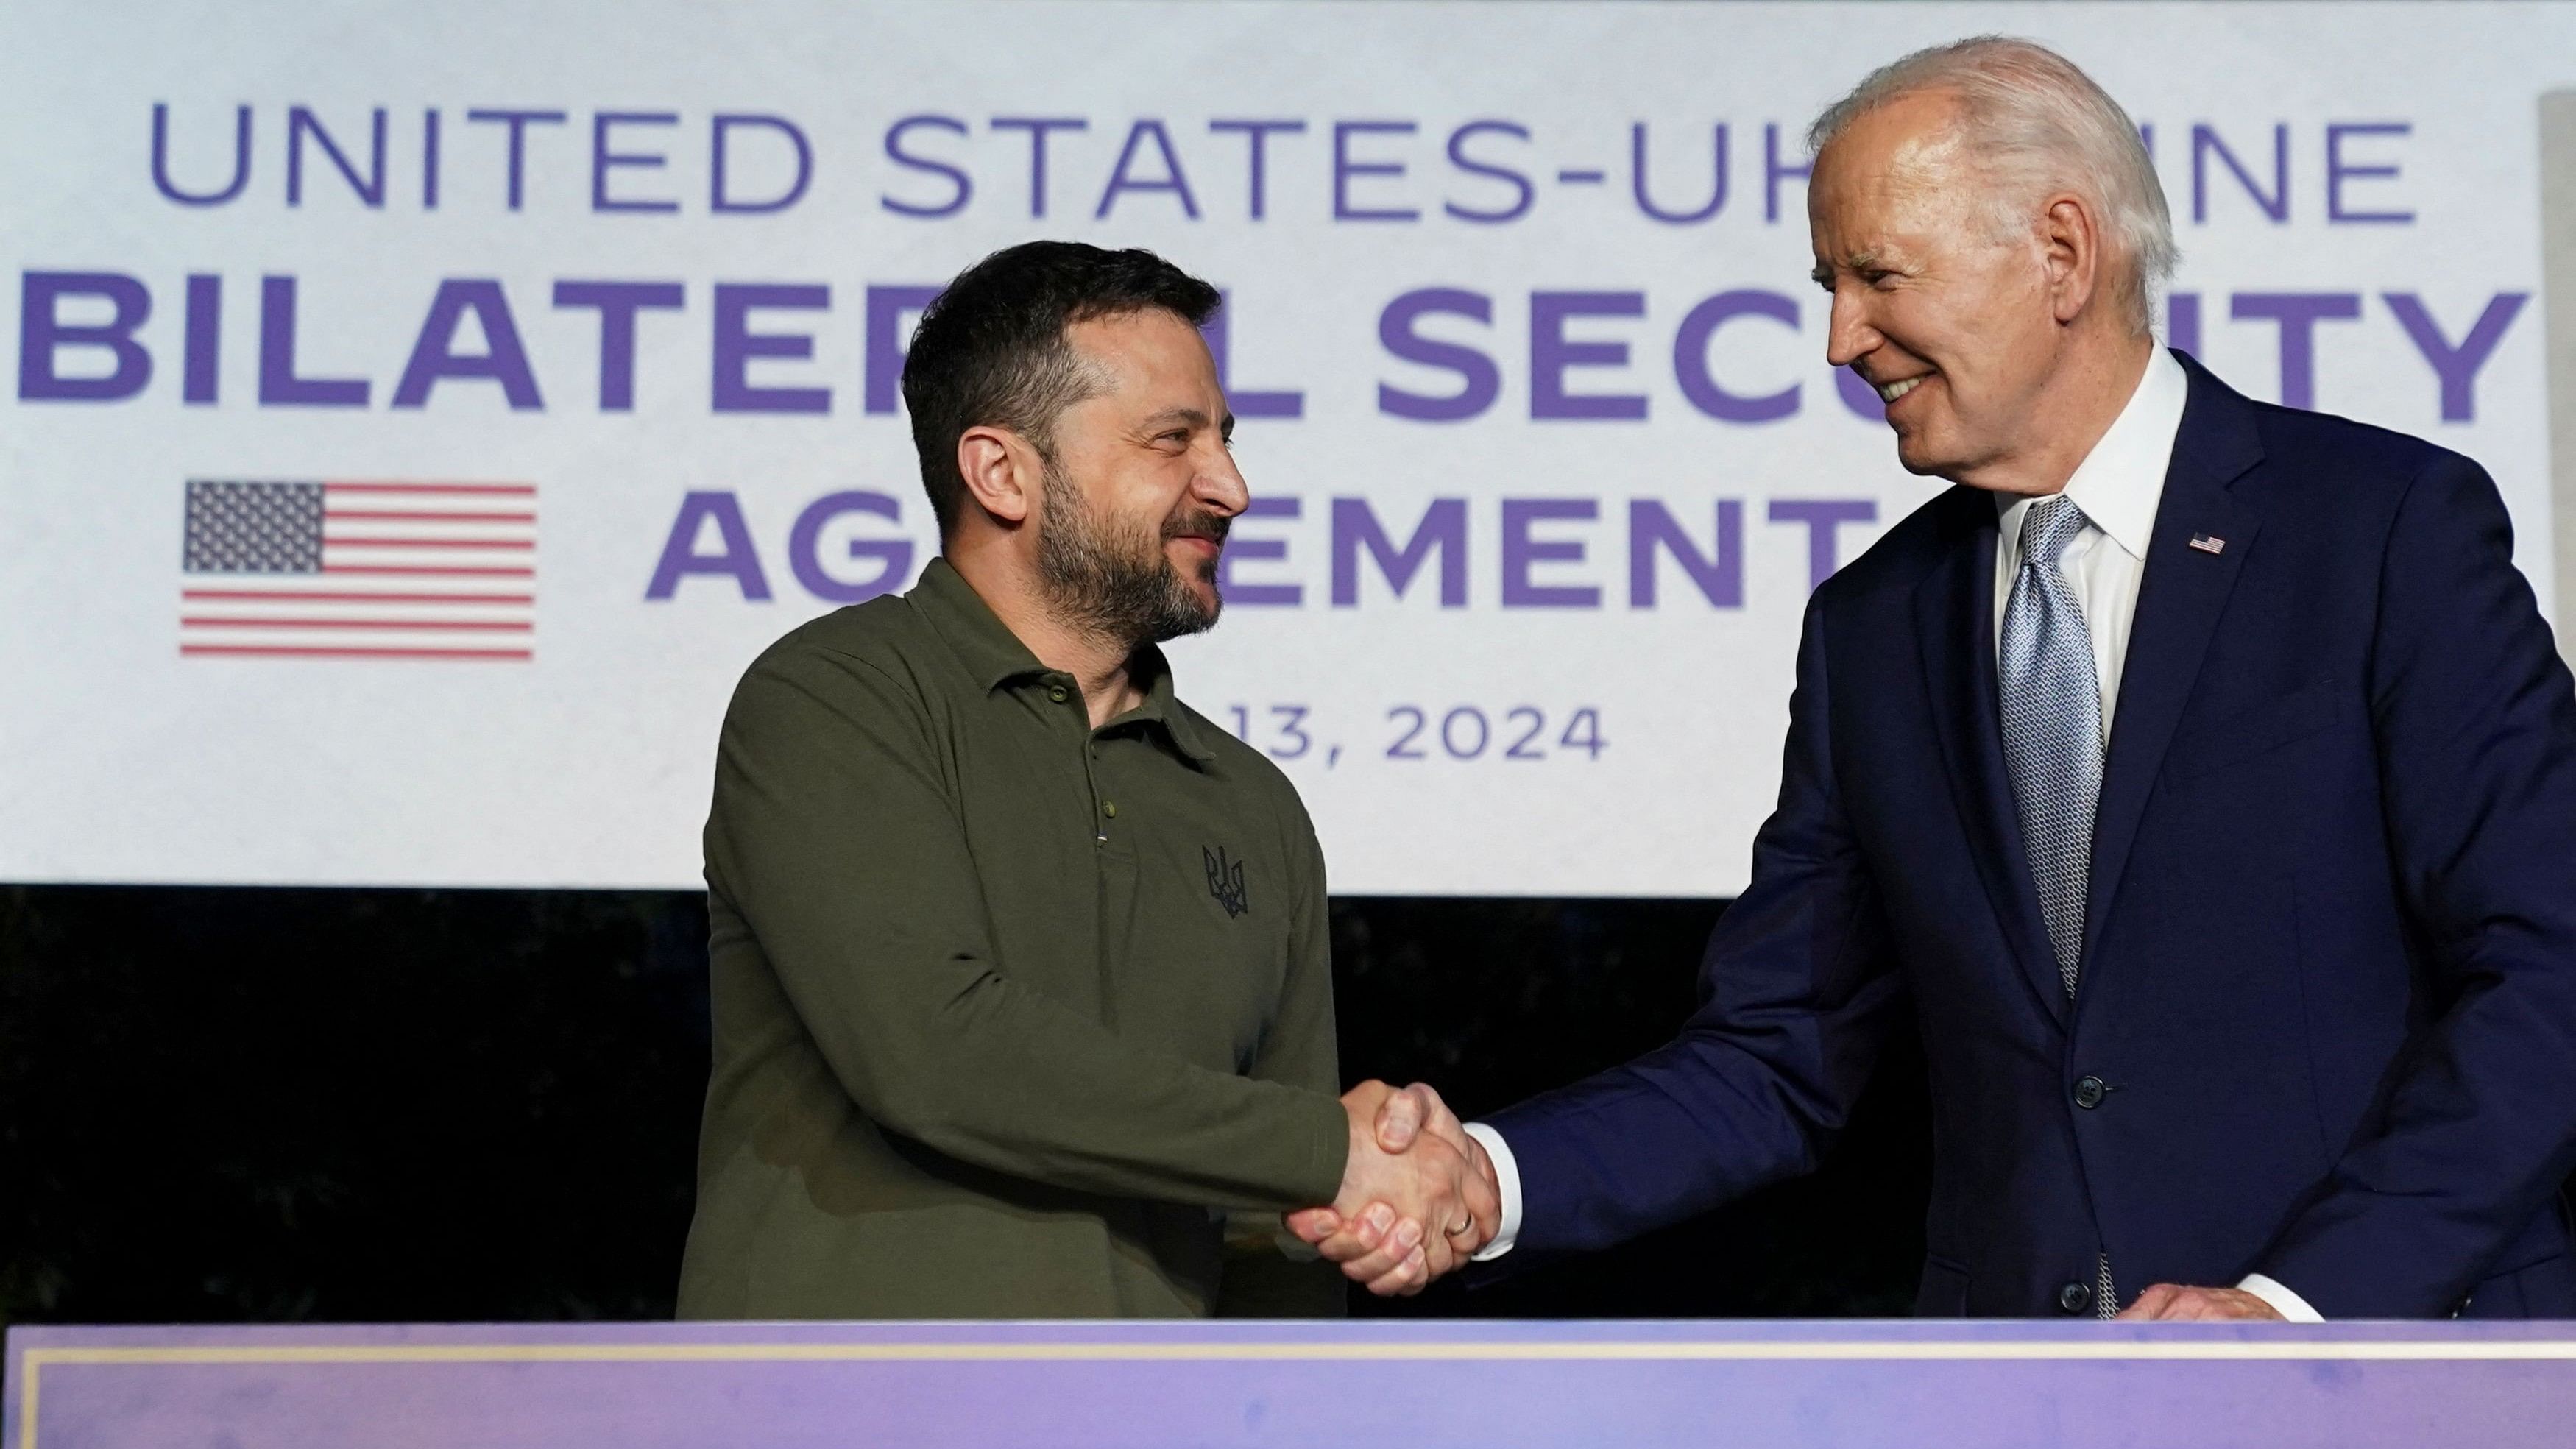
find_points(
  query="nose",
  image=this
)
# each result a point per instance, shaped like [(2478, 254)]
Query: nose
[(1850, 336), (1219, 485)]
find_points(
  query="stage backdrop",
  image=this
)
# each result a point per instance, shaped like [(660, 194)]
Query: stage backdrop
[(422, 413)]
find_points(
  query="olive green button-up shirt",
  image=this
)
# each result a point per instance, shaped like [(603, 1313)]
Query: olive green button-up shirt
[(1009, 1011)]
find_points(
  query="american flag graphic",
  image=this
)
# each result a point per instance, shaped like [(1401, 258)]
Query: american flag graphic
[(396, 570)]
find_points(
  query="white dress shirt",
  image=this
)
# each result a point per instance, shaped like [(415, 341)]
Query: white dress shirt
[(2118, 485)]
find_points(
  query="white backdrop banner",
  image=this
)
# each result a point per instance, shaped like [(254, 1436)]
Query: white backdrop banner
[(423, 412)]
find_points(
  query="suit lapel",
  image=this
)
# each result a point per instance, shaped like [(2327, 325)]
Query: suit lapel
[(2179, 602), (1954, 618)]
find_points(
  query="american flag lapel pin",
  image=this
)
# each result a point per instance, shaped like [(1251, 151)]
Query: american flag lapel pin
[(2208, 543)]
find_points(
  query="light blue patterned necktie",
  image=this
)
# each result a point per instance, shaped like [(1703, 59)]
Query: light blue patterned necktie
[(2052, 717), (2052, 725)]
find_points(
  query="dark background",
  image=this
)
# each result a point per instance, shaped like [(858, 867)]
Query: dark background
[(272, 1105)]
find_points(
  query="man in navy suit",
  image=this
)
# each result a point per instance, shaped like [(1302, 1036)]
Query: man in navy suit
[(2198, 774)]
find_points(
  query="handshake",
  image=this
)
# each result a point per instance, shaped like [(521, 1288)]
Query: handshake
[(1418, 1197)]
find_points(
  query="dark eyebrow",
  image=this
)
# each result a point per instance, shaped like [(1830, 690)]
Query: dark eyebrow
[(1189, 417)]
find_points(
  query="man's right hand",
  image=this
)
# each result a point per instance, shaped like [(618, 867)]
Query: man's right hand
[(1418, 1196)]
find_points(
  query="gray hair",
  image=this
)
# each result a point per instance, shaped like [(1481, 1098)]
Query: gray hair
[(2038, 123)]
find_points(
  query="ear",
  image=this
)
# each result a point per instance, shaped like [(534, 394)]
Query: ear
[(2071, 250), (1001, 472)]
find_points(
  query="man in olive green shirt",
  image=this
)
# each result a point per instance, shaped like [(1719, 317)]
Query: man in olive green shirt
[(1022, 977)]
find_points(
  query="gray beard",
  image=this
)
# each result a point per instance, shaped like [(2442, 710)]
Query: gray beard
[(1113, 583)]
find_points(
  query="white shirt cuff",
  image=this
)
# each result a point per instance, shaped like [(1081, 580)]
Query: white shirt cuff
[(2284, 1302), (1507, 1182)]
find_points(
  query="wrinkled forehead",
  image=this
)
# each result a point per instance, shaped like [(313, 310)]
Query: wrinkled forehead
[(1146, 350), (1906, 166)]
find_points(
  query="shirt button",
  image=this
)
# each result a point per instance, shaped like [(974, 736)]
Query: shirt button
[(1056, 692), (2074, 1298), (2088, 1093), (1109, 808)]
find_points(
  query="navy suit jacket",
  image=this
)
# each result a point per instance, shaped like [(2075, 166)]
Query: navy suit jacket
[(2328, 1001)]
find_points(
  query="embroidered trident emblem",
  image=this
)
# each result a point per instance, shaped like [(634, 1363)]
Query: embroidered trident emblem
[(1225, 881)]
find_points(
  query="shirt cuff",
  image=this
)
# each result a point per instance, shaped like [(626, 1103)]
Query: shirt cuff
[(2284, 1302), (1507, 1185)]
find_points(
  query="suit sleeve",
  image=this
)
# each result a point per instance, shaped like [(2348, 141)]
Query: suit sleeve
[(1268, 1272), (833, 837), (2476, 729), (1797, 990)]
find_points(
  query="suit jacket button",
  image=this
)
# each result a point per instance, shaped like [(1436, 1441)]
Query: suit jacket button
[(2075, 1298), (2088, 1094)]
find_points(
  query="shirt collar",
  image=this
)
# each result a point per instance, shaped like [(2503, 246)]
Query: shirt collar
[(994, 656), (990, 651), (1164, 708), (2120, 482)]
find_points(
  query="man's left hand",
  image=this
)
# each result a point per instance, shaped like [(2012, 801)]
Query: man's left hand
[(2173, 1303), (1407, 1125)]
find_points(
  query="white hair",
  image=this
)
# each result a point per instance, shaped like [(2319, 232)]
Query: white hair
[(2038, 124)]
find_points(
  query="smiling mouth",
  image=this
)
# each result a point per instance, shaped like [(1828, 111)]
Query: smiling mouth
[(1889, 392), (1198, 525)]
